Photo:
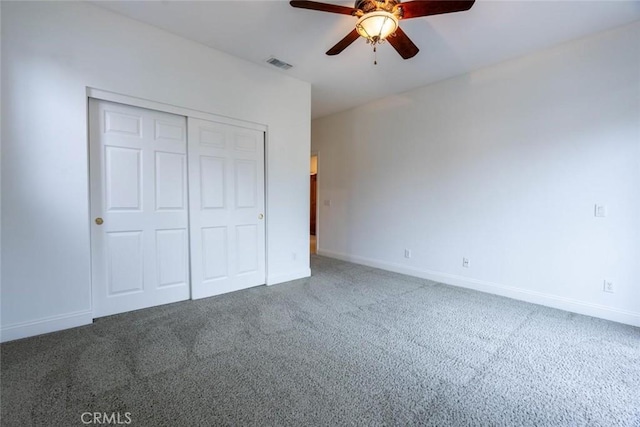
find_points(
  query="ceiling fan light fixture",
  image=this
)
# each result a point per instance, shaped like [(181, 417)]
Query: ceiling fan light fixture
[(376, 26)]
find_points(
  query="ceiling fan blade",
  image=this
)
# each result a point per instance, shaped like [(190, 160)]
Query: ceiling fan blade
[(417, 8), (403, 44), (342, 44), (322, 7)]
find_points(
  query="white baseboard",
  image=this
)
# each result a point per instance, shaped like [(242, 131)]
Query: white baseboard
[(45, 325), (274, 280), (549, 300), (81, 318)]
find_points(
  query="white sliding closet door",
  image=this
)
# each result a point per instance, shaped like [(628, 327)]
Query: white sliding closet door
[(139, 208), (226, 207)]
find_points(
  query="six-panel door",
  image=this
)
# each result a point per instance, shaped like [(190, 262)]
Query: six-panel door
[(139, 207), (226, 193)]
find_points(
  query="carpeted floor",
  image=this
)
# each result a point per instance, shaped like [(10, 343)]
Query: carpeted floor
[(351, 345)]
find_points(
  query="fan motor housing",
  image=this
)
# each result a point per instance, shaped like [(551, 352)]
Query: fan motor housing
[(367, 6)]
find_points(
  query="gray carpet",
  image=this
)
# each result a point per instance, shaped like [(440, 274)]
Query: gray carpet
[(351, 345)]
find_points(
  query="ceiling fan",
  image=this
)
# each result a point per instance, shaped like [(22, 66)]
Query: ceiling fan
[(378, 20)]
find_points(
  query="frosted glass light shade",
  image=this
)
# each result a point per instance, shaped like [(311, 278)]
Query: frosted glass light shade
[(376, 26)]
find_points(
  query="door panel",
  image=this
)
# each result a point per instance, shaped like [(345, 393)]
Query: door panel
[(138, 168), (125, 123), (172, 256), (246, 182), (226, 207), (170, 132), (212, 182), (123, 178), (125, 266), (246, 245), (215, 249), (170, 174)]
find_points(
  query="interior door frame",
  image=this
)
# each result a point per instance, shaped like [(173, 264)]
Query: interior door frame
[(105, 95), (317, 154)]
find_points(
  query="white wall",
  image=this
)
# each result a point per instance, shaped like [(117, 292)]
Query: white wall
[(504, 166), (53, 51)]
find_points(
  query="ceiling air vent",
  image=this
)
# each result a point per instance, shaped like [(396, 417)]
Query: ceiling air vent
[(280, 64)]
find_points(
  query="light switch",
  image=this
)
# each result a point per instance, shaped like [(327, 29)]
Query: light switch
[(600, 211)]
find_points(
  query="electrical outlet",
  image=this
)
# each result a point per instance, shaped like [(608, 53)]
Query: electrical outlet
[(407, 253), (465, 262), (608, 286)]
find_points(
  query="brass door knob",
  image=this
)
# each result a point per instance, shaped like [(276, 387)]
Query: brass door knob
[(99, 221)]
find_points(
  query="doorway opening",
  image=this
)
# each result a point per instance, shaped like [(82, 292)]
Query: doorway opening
[(313, 205)]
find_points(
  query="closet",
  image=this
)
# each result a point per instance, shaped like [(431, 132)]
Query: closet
[(177, 207)]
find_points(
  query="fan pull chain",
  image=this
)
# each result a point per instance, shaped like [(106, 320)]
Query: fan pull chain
[(375, 55)]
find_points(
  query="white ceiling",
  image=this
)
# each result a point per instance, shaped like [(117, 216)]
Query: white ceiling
[(491, 32)]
